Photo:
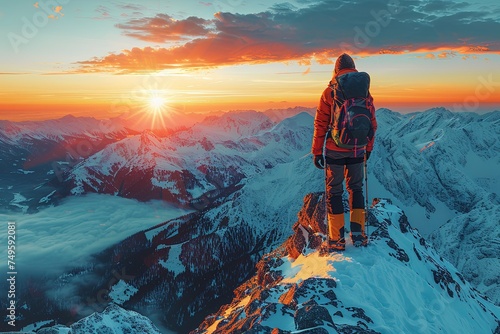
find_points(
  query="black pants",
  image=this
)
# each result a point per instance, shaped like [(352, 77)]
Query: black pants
[(352, 172)]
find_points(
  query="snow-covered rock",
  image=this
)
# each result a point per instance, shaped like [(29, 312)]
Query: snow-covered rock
[(471, 242), (444, 162), (113, 319), (398, 284), (442, 168)]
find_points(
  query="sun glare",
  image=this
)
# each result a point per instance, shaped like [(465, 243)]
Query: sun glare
[(156, 103), (154, 107)]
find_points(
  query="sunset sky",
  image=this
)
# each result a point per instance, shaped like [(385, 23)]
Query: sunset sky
[(100, 59)]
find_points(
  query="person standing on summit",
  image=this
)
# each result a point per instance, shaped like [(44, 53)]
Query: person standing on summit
[(344, 133)]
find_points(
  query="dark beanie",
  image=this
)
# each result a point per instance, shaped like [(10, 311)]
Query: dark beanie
[(344, 61)]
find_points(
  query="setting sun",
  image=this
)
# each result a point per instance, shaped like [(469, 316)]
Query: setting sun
[(156, 102), (153, 107)]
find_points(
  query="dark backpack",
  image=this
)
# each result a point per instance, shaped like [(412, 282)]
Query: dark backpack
[(351, 126)]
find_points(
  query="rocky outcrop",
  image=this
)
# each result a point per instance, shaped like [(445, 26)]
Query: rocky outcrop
[(310, 228), (362, 290)]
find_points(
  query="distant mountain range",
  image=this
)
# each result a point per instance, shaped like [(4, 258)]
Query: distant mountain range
[(246, 174)]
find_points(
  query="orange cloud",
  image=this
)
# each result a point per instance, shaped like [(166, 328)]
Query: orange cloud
[(57, 10), (389, 52), (447, 54), (163, 28), (220, 51), (200, 53)]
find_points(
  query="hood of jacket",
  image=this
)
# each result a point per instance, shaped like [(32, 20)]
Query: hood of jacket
[(344, 61)]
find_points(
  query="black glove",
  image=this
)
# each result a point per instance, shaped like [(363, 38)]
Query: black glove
[(368, 155), (319, 161)]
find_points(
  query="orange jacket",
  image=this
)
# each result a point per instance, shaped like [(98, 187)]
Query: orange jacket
[(324, 117)]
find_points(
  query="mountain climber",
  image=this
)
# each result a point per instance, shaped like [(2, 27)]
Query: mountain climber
[(344, 160)]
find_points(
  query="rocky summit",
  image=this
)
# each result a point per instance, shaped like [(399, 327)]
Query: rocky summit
[(398, 284)]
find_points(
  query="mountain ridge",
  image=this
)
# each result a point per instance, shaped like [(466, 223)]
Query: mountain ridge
[(182, 167), (274, 161), (360, 290), (295, 289)]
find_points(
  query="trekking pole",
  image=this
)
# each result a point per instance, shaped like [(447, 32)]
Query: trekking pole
[(366, 194), (326, 194)]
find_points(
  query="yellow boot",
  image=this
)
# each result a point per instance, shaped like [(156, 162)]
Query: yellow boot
[(336, 231), (358, 235)]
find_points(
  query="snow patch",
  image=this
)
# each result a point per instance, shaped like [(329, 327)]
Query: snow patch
[(121, 292), (17, 200), (35, 326), (46, 199), (173, 263)]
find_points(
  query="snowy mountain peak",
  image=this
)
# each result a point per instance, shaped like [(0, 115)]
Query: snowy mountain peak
[(439, 111), (298, 120), (232, 125), (183, 168), (434, 118), (60, 129), (277, 115), (148, 138), (387, 117), (398, 284), (113, 319)]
